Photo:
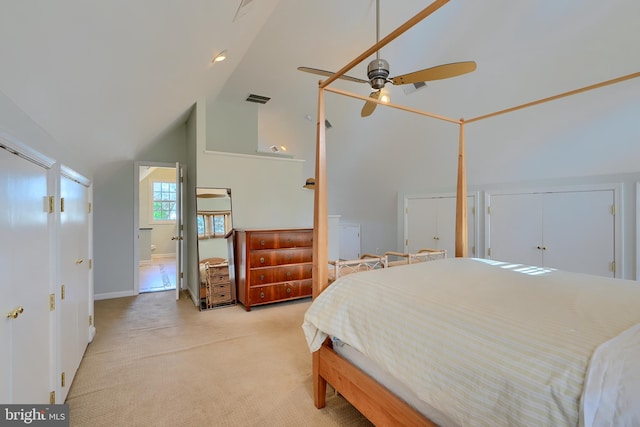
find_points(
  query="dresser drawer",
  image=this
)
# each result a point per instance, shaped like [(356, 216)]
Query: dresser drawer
[(219, 278), (283, 239), (222, 270), (261, 276), (221, 293), (265, 258), (280, 291)]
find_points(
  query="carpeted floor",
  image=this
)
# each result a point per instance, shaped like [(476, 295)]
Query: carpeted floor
[(160, 362)]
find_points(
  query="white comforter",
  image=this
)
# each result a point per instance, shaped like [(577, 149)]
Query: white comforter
[(495, 344)]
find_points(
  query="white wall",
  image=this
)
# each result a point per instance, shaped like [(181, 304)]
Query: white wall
[(114, 268), (267, 192)]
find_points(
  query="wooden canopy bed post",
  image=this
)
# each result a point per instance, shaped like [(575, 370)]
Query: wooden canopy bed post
[(320, 212), (462, 230)]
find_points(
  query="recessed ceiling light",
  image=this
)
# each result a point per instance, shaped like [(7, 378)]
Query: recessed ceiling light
[(220, 57)]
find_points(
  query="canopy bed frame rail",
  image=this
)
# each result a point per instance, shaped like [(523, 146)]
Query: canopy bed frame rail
[(373, 400)]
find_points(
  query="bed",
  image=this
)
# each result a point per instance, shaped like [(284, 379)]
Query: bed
[(377, 402), (472, 342)]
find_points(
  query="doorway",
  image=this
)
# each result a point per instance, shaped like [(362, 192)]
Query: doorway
[(156, 219)]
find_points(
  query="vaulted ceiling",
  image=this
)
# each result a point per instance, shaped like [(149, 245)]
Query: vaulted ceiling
[(108, 78)]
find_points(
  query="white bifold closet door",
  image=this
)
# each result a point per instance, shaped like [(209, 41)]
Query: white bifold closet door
[(74, 276), (430, 222), (25, 354), (567, 230)]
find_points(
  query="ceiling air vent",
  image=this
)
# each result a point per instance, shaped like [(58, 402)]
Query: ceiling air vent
[(258, 98)]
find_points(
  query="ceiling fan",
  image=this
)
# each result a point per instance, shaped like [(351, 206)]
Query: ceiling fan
[(378, 73)]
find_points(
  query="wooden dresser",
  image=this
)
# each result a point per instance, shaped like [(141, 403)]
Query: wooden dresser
[(273, 265)]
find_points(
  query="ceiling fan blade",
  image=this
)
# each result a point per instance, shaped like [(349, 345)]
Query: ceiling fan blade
[(435, 73), (369, 106), (330, 73)]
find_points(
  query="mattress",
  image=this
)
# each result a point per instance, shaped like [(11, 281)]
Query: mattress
[(490, 343)]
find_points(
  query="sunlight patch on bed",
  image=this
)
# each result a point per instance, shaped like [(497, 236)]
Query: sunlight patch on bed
[(520, 268)]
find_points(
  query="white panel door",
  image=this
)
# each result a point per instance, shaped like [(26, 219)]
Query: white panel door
[(24, 261), (349, 236), (421, 224), (431, 223), (515, 228), (74, 276), (579, 231)]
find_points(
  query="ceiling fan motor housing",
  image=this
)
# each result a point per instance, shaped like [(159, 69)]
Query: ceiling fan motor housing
[(378, 71)]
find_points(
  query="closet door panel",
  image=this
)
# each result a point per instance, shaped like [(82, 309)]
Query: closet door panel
[(24, 259), (579, 231), (74, 307), (422, 223), (516, 228)]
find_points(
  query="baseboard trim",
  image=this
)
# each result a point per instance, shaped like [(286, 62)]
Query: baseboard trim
[(111, 295)]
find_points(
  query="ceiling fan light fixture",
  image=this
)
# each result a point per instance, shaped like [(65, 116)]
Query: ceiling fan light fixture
[(378, 71), (385, 98)]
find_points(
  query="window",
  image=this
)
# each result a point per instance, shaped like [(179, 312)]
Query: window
[(212, 224), (164, 201)]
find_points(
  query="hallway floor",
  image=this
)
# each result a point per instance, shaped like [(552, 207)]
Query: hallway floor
[(159, 275)]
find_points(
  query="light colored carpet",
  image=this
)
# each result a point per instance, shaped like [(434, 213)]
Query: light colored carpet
[(160, 362)]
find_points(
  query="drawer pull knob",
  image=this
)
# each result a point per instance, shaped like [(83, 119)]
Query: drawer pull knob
[(261, 242), (288, 290), (289, 256), (261, 260), (262, 277), (261, 294), (288, 274)]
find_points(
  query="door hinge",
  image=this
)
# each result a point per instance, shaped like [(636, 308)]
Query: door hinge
[(489, 210), (61, 204), (52, 398), (613, 266), (181, 275), (406, 242), (52, 302), (61, 292), (489, 252), (613, 209), (182, 179), (90, 264), (89, 207), (473, 210), (62, 381), (90, 320), (51, 204), (181, 227)]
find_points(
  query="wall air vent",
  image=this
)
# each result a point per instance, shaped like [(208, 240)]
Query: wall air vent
[(258, 98)]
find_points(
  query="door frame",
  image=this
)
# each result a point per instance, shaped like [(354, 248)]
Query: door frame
[(136, 220)]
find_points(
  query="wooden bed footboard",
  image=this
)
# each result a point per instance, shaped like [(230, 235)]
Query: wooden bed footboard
[(373, 400)]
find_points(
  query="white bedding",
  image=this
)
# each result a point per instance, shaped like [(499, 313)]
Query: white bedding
[(494, 344)]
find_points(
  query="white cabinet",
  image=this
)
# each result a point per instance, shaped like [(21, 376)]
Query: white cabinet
[(25, 322), (349, 235), (567, 230), (430, 222)]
